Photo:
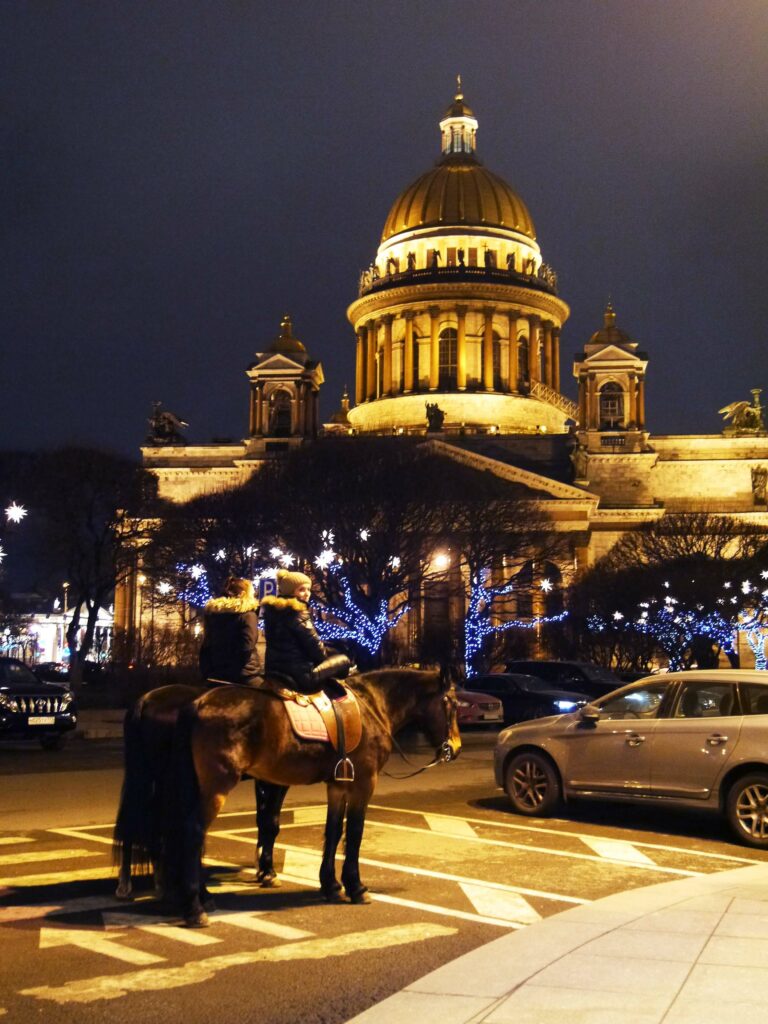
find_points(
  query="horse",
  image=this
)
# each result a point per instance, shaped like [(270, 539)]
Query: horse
[(229, 732)]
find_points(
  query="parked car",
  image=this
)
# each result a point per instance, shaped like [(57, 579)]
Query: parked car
[(525, 697), (31, 708), (579, 676), (688, 739), (478, 708)]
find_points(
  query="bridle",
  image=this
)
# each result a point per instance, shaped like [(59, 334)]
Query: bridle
[(444, 753)]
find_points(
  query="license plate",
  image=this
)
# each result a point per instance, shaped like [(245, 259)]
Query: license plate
[(491, 716), (41, 720)]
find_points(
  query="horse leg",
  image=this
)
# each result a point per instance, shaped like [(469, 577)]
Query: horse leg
[(334, 823), (197, 900), (124, 890), (269, 802), (350, 873)]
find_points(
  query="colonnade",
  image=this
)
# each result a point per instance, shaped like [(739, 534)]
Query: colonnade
[(303, 398), (634, 395), (543, 351)]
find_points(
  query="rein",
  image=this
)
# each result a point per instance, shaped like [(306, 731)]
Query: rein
[(443, 755)]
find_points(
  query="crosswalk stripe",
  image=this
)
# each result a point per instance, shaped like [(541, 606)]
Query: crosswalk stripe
[(508, 906), (54, 877), (14, 840), (252, 921), (310, 815), (449, 826), (41, 855), (616, 849), (157, 926)]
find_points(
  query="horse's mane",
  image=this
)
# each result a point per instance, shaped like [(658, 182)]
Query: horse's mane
[(385, 681)]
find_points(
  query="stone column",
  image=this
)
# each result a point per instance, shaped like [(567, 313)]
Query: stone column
[(632, 411), (386, 386), (547, 374), (370, 362), (461, 348), (641, 404), (534, 363), (408, 352), (513, 366), (488, 349), (360, 367), (583, 401), (593, 419), (259, 418), (556, 359), (434, 348)]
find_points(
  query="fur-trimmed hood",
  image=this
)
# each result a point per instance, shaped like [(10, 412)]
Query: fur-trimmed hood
[(282, 603), (230, 605)]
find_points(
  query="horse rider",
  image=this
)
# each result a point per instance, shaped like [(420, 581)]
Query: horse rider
[(293, 647), (231, 629)]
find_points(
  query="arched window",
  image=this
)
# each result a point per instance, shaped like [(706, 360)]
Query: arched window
[(280, 414), (496, 362), (611, 405), (523, 372), (449, 344)]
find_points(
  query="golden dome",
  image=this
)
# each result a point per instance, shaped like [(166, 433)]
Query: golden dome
[(285, 341), (458, 191), (610, 334)]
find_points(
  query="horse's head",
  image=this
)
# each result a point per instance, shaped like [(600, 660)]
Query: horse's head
[(439, 720)]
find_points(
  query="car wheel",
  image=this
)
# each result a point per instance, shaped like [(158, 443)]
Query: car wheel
[(532, 784), (747, 809), (53, 742)]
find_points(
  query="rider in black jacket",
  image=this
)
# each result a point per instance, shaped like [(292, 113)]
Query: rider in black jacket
[(231, 629), (293, 647)]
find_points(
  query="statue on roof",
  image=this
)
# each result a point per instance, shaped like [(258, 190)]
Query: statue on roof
[(435, 417), (165, 427), (745, 418)]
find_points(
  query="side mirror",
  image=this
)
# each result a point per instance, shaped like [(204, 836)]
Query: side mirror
[(589, 714)]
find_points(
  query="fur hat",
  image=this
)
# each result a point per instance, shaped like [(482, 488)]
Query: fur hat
[(289, 582)]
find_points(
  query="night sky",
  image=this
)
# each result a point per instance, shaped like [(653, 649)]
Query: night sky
[(179, 175)]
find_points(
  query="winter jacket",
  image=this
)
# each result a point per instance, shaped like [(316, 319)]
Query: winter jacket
[(231, 629), (293, 646)]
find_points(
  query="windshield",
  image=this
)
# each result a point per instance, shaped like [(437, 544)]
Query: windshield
[(532, 684)]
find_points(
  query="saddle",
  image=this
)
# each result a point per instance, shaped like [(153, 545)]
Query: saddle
[(333, 719)]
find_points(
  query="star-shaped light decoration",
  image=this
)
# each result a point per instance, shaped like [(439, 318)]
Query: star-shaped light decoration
[(665, 583), (727, 586), (15, 513), (220, 555), (196, 572), (287, 560), (364, 535), (764, 574), (746, 586), (2, 554), (546, 586), (164, 587), (325, 558), (275, 552), (394, 562), (618, 616)]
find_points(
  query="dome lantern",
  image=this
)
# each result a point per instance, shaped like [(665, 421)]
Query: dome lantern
[(459, 126)]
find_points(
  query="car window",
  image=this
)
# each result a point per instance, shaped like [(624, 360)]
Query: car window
[(754, 698), (705, 700), (639, 702), (548, 672), (531, 684), (484, 684), (17, 673), (602, 675)]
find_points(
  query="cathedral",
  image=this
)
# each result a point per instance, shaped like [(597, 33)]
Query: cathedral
[(456, 337)]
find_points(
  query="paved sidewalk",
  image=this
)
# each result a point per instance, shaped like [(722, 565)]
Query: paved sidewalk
[(687, 952)]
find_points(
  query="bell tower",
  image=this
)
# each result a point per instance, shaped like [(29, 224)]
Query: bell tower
[(285, 387), (611, 376)]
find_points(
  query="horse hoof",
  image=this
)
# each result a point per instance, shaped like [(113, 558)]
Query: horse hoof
[(333, 896), (124, 893), (197, 919), (270, 882), (361, 898), (209, 904)]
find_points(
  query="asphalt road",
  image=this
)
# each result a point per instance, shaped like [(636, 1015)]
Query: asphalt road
[(449, 867)]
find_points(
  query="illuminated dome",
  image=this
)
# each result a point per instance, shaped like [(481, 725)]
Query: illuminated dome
[(458, 191)]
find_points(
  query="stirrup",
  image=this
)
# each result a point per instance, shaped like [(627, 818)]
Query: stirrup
[(344, 771)]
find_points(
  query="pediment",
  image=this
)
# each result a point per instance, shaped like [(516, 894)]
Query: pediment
[(613, 354), (276, 362)]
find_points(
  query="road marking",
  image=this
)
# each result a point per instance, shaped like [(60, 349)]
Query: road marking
[(13, 840), (31, 912), (54, 877), (617, 849), (310, 815), (252, 921), (90, 990), (311, 859), (449, 826), (158, 926), (40, 855), (81, 833), (96, 942), (573, 835), (506, 906)]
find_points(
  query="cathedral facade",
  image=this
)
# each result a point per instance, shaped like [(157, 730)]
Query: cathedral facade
[(457, 337)]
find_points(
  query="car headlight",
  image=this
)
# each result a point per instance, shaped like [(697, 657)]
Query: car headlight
[(8, 703), (566, 705), (463, 704)]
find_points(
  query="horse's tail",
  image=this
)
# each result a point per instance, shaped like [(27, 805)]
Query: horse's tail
[(133, 839), (183, 829)]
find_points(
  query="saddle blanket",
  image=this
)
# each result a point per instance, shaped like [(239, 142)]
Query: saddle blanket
[(313, 718), (306, 720)]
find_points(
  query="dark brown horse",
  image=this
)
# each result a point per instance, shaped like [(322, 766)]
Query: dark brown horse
[(233, 731)]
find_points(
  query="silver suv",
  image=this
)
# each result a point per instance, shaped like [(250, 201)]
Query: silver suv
[(694, 739)]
